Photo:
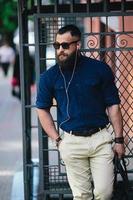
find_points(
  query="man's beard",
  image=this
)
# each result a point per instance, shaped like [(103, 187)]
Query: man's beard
[(69, 62)]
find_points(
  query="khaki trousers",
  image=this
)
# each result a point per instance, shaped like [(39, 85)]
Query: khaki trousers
[(86, 159)]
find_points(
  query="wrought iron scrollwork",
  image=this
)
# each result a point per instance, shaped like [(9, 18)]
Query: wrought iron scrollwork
[(92, 42), (122, 40)]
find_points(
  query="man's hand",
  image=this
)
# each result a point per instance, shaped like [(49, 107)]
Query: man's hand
[(119, 149), (58, 140)]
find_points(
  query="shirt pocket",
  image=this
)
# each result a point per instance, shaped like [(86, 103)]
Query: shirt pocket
[(60, 94), (87, 87), (93, 83)]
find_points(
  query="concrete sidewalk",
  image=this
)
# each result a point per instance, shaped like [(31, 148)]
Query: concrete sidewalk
[(10, 137)]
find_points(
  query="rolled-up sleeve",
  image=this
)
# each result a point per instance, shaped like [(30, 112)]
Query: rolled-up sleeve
[(109, 89), (44, 92)]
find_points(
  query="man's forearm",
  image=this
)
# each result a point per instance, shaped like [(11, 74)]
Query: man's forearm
[(47, 123), (116, 120)]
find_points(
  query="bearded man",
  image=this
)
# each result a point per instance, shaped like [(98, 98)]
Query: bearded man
[(84, 90)]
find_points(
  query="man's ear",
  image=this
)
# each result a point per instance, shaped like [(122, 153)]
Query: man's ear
[(78, 45)]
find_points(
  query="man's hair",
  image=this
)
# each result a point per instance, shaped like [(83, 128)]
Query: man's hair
[(74, 30)]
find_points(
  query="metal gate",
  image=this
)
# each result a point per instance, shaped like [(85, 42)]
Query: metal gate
[(107, 34)]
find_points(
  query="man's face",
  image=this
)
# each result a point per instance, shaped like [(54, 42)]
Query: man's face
[(66, 56)]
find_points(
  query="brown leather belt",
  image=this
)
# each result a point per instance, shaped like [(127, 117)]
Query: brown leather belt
[(87, 133)]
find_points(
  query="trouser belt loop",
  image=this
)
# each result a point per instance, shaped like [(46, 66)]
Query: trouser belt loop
[(71, 132)]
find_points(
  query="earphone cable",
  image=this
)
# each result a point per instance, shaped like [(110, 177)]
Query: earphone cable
[(67, 87)]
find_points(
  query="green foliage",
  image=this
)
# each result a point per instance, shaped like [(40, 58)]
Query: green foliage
[(8, 16)]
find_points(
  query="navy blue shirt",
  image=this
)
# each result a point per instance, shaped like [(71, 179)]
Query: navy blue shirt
[(91, 91)]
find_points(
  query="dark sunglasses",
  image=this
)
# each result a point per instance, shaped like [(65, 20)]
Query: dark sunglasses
[(65, 45)]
